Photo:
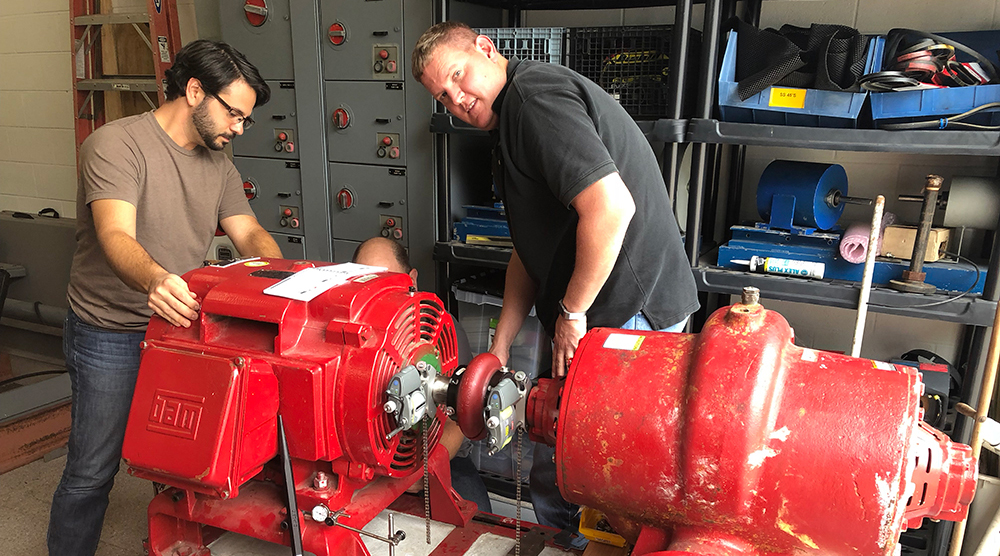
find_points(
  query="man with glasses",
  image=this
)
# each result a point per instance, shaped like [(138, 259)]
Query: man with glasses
[(152, 189)]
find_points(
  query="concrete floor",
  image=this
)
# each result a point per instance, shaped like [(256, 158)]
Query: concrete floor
[(25, 498)]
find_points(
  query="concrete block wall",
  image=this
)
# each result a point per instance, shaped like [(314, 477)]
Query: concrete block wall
[(37, 146)]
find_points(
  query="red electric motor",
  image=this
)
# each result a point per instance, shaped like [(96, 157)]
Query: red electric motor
[(317, 345), (733, 441)]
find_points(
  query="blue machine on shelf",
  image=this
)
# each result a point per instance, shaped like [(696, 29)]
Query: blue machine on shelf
[(484, 226), (801, 202)]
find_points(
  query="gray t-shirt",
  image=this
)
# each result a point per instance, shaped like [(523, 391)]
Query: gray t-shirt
[(180, 196)]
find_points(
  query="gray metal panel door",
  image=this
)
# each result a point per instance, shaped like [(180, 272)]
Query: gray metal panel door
[(275, 134), (377, 194), (269, 46), (364, 29), (278, 187), (343, 250), (292, 247), (375, 110)]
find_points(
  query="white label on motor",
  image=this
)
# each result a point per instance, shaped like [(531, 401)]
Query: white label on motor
[(307, 284), (626, 342)]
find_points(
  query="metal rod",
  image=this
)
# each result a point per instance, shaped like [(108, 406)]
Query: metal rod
[(866, 281), (706, 101), (680, 43), (982, 408), (392, 546), (931, 189), (393, 540), (734, 200), (293, 507)]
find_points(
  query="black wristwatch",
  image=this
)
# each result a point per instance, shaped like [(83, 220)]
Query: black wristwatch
[(571, 316)]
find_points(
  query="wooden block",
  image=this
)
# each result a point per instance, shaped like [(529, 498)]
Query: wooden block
[(123, 52), (898, 243), (25, 440)]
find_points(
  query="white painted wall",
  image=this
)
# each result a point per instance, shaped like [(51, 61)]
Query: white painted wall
[(37, 155), (37, 146)]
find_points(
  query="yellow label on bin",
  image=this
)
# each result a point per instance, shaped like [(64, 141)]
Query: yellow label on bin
[(787, 98)]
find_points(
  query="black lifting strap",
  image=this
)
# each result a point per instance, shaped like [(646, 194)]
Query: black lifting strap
[(827, 57)]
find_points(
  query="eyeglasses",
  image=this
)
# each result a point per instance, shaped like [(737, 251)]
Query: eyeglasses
[(235, 114)]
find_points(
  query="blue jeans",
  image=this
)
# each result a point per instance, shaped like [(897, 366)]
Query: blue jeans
[(550, 508), (468, 484), (103, 366)]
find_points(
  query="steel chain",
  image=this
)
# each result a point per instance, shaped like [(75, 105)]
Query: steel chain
[(517, 528), (427, 491)]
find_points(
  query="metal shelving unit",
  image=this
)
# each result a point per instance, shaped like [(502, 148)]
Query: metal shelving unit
[(983, 143), (663, 130)]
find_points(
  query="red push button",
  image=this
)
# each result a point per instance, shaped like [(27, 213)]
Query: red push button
[(282, 136), (338, 34), (286, 212), (341, 118), (390, 222), (387, 140), (384, 54)]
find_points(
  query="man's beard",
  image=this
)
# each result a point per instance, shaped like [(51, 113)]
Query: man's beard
[(204, 125)]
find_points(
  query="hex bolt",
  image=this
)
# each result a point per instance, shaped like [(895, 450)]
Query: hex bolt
[(421, 366), (520, 376), (751, 296), (321, 481)]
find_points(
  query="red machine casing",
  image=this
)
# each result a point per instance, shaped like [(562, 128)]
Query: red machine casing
[(204, 413), (737, 442)]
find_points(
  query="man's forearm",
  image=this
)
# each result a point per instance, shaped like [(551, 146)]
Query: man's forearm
[(130, 262), (259, 243)]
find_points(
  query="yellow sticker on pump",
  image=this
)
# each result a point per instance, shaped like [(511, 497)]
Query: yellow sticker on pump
[(787, 98)]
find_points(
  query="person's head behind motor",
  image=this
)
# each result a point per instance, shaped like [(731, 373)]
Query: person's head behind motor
[(380, 251)]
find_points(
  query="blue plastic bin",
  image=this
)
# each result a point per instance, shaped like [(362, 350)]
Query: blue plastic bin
[(820, 108), (909, 106)]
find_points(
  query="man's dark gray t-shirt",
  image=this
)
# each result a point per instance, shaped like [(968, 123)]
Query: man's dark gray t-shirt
[(558, 133)]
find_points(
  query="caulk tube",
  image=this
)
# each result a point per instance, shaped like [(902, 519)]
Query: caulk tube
[(771, 265)]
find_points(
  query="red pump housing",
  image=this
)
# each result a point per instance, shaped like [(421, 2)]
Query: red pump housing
[(735, 441), (204, 413)]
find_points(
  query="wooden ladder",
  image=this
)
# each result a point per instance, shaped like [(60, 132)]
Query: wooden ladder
[(117, 58)]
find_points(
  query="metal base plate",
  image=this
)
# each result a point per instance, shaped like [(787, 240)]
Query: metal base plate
[(909, 286)]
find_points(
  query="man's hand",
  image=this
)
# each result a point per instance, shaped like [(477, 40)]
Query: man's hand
[(502, 352), (170, 298), (568, 334)]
